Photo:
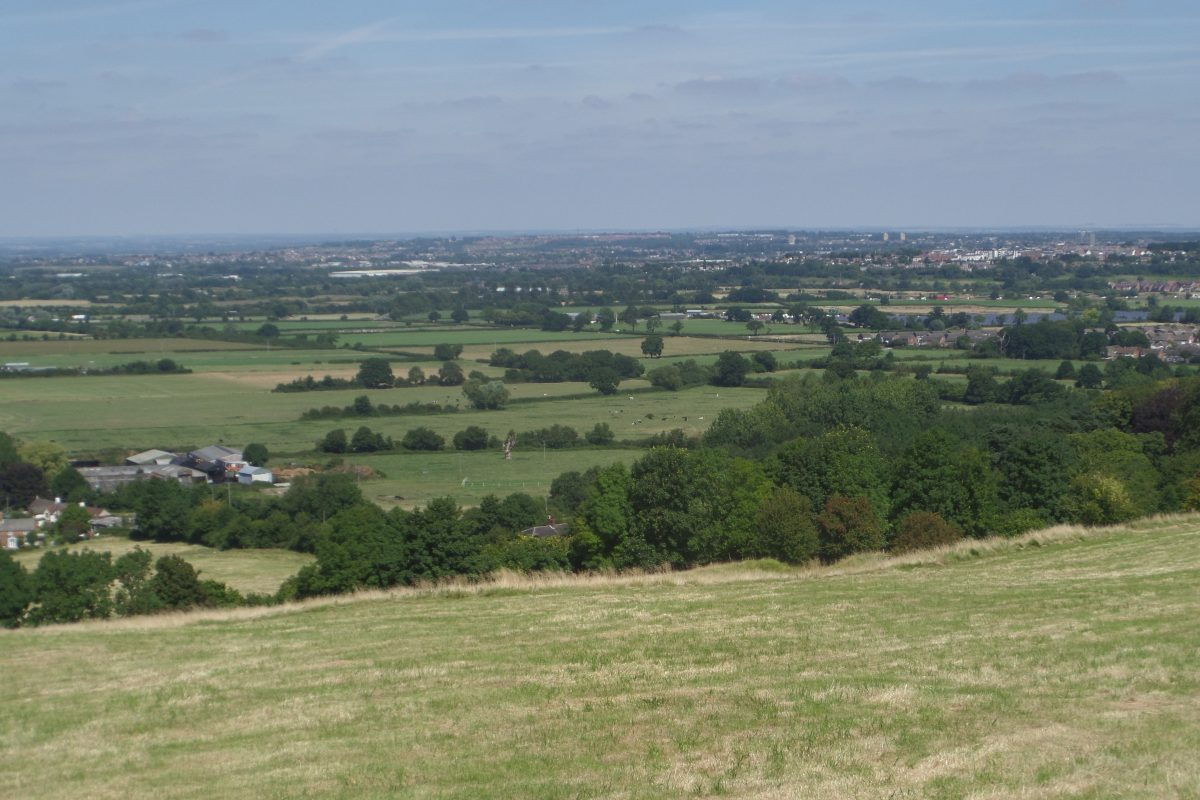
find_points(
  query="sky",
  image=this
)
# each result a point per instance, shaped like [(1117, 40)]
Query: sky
[(123, 117)]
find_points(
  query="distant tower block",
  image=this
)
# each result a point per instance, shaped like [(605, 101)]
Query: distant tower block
[(791, 240), (903, 236), (886, 236)]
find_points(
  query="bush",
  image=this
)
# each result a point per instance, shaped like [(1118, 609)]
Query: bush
[(472, 437), (600, 434), (848, 525), (422, 439), (334, 442), (605, 381), (256, 454), (451, 374), (1098, 499), (666, 378), (16, 592), (375, 373), (731, 369), (485, 395), (366, 440), (176, 583), (921, 530), (784, 528), (555, 437), (447, 352), (764, 361)]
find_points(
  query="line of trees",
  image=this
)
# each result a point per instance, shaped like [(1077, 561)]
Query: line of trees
[(602, 369), (69, 586), (163, 366)]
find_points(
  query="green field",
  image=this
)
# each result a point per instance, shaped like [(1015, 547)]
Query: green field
[(245, 570), (413, 479), (500, 337), (133, 413), (1064, 670)]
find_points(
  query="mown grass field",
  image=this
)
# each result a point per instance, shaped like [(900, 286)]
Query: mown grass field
[(245, 570), (1068, 669), (413, 479)]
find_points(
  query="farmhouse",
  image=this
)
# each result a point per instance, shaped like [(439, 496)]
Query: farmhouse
[(17, 533), (48, 511)]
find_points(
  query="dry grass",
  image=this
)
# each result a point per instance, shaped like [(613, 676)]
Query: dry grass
[(1062, 664)]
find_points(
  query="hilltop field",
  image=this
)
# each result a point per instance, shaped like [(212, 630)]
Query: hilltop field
[(1060, 665)]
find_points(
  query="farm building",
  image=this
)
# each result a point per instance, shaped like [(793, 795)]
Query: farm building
[(250, 474), (108, 479), (151, 458), (216, 461)]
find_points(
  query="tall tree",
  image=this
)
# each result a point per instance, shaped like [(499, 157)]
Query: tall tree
[(652, 346), (375, 373)]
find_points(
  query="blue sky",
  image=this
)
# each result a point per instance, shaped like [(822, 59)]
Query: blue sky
[(255, 116)]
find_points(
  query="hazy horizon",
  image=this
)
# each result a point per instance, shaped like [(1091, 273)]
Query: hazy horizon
[(146, 118)]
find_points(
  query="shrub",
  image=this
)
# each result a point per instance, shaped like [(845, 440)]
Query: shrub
[(256, 454), (1097, 499), (366, 440), (784, 528), (848, 525), (605, 381), (485, 394), (375, 373), (334, 442), (600, 434), (451, 374), (731, 369), (666, 378), (16, 592), (764, 361), (921, 530), (472, 437), (422, 439), (447, 352)]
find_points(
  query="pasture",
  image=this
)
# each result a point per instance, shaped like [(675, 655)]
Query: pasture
[(1060, 665), (136, 412), (130, 349), (245, 570), (413, 479), (401, 338)]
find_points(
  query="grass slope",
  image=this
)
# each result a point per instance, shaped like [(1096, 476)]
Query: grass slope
[(1069, 669)]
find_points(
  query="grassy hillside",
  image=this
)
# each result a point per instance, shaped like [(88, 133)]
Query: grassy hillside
[(1065, 665)]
